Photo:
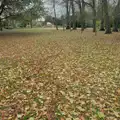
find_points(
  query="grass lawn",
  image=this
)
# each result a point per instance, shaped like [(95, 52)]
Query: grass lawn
[(59, 75)]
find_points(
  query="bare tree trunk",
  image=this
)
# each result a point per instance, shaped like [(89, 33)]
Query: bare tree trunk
[(1, 27), (102, 18), (80, 9), (67, 15), (31, 25), (55, 22), (63, 22), (79, 5), (2, 6), (115, 25), (94, 15), (73, 15), (107, 17), (116, 18), (102, 25), (83, 16), (31, 21)]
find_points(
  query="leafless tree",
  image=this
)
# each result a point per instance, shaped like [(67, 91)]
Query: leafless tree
[(73, 14), (116, 16), (107, 17)]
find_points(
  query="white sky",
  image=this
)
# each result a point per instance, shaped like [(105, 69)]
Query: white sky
[(59, 10)]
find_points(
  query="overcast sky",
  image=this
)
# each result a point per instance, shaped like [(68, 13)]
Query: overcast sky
[(59, 9)]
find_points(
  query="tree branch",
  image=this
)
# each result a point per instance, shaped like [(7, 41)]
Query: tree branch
[(2, 7), (88, 4)]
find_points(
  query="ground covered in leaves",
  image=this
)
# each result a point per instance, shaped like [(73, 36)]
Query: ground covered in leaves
[(59, 75)]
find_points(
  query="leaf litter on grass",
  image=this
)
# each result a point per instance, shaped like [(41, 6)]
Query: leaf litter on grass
[(61, 76)]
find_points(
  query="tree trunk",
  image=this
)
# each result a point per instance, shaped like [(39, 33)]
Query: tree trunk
[(102, 25), (107, 17), (108, 26), (94, 15), (83, 16), (102, 28), (55, 22), (73, 15), (2, 6), (115, 26), (79, 6), (80, 10), (67, 15), (31, 25), (1, 25), (63, 23), (116, 18), (94, 25)]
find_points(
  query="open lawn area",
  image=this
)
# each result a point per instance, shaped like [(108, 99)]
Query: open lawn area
[(59, 75)]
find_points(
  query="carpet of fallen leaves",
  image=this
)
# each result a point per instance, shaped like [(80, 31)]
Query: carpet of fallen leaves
[(59, 75)]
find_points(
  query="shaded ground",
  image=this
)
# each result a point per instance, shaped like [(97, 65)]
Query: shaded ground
[(63, 75)]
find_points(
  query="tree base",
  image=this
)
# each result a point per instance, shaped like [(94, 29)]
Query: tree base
[(1, 29), (115, 30), (57, 29), (68, 27), (94, 31), (75, 28), (102, 29), (108, 32)]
